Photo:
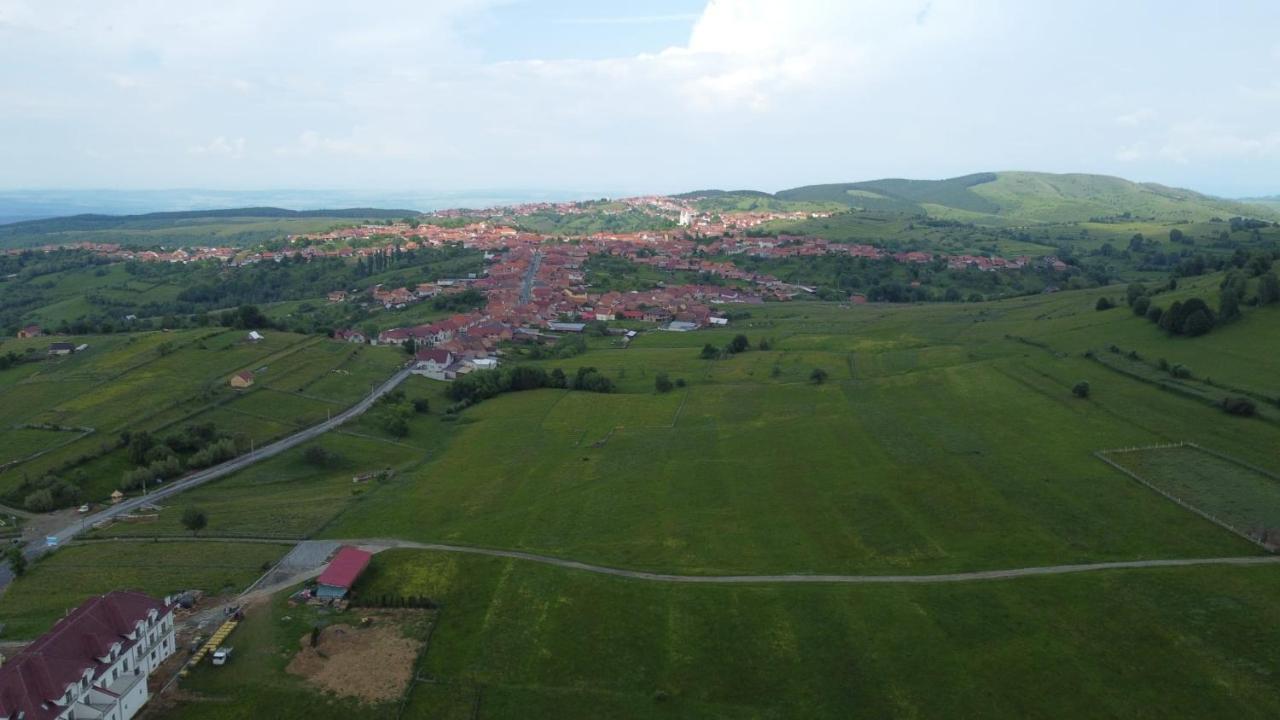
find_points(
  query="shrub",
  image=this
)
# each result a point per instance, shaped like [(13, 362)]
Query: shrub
[(1241, 406), (818, 376), (1180, 371), (421, 405), (1081, 389), (662, 383), (709, 352), (1141, 305), (1154, 312), (1104, 303)]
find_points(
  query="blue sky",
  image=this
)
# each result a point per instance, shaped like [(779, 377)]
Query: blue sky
[(629, 97)]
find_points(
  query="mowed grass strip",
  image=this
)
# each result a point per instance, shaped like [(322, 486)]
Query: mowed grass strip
[(63, 580)]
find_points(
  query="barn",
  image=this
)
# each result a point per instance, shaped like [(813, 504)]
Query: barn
[(343, 571)]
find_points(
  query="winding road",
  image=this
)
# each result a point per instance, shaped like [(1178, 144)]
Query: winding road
[(34, 550)]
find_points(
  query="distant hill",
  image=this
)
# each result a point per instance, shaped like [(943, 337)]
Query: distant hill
[(1010, 198), (231, 226)]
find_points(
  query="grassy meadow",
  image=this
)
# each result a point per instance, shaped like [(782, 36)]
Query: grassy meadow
[(70, 575), (937, 423)]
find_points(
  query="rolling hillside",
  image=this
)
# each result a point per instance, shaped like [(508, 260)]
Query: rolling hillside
[(236, 226), (1010, 198)]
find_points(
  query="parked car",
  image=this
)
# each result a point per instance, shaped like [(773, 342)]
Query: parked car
[(222, 655)]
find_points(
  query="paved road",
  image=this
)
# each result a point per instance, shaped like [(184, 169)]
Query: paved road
[(36, 549), (526, 288), (382, 544)]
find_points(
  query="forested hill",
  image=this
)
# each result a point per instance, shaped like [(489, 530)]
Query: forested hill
[(1008, 198), (232, 226)]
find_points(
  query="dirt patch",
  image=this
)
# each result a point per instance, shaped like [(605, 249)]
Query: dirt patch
[(373, 664)]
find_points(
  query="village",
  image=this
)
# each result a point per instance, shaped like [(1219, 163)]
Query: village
[(536, 282)]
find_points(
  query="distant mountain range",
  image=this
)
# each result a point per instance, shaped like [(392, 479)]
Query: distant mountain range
[(1022, 197), (18, 205)]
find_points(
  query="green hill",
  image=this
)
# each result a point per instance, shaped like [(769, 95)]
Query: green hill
[(234, 226), (1029, 198)]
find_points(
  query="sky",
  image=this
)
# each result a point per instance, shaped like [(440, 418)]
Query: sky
[(622, 97)]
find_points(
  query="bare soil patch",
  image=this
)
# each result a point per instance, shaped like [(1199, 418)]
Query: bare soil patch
[(373, 664)]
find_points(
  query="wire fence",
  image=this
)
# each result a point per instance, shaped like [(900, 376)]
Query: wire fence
[(1251, 537)]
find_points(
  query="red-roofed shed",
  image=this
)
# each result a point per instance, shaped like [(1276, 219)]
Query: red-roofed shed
[(343, 571)]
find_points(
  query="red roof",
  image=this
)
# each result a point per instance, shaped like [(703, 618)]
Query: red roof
[(42, 671), (435, 355), (345, 567)]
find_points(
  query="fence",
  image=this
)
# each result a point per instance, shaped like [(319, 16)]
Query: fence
[(1102, 455)]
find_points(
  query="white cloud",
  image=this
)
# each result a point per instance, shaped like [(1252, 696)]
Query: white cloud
[(220, 146), (759, 93), (1135, 118)]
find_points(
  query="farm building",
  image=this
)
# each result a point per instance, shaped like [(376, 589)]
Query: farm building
[(566, 327), (61, 348), (93, 663), (342, 572), (241, 380), (30, 331), (254, 336)]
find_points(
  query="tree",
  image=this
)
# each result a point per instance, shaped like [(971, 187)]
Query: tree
[(1135, 291), (738, 344), (1197, 323), (1175, 235), (818, 376), (195, 520), (1140, 305), (709, 352), (662, 383), (421, 406), (1268, 288), (317, 456), (1081, 389), (1104, 303), (17, 560)]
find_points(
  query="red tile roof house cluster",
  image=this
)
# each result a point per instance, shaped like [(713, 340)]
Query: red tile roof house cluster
[(93, 663)]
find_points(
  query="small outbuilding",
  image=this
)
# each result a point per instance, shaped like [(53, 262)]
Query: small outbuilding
[(241, 380), (342, 572), (254, 336), (30, 331), (61, 348)]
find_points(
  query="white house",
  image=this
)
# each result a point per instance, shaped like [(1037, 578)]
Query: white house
[(93, 663), (432, 363)]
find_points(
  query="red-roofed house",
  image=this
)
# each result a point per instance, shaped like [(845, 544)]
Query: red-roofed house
[(30, 331), (432, 363), (93, 663), (241, 380), (343, 571)]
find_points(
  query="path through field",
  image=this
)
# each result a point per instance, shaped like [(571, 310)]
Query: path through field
[(385, 544)]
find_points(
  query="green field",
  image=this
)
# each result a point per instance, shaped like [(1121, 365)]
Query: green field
[(934, 422), (63, 580), (946, 438), (527, 641), (282, 497), (161, 382), (1239, 496)]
